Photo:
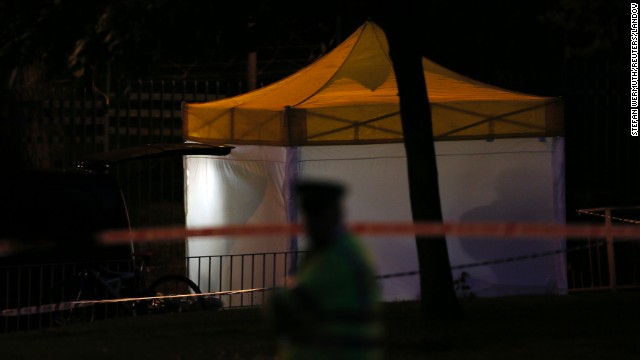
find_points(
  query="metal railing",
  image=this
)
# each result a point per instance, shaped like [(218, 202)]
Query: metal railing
[(590, 269), (28, 292), (36, 286), (217, 273), (607, 264), (24, 286)]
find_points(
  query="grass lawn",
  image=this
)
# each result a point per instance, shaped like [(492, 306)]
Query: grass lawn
[(581, 326)]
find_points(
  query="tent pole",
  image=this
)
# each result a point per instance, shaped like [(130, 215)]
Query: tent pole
[(291, 173)]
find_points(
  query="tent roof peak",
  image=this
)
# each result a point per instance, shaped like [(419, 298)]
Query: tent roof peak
[(350, 96)]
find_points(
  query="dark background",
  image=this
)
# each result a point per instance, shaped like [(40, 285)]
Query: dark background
[(568, 48)]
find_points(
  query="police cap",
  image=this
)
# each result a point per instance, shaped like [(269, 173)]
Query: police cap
[(317, 194)]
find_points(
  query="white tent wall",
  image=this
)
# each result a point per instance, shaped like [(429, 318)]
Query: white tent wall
[(244, 187), (506, 180), (378, 190), (501, 180)]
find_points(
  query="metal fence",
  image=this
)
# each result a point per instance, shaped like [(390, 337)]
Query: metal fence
[(607, 263), (244, 271), (31, 293), (592, 269), (25, 287), (40, 295)]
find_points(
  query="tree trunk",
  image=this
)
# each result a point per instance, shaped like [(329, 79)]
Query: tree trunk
[(439, 300)]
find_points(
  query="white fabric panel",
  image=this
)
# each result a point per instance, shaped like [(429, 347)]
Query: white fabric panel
[(378, 190), (502, 180), (244, 187)]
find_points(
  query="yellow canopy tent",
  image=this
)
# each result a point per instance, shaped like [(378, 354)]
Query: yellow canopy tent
[(350, 97), (346, 103)]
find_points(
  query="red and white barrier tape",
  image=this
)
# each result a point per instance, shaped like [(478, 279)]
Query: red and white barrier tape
[(69, 305), (502, 229), (587, 212)]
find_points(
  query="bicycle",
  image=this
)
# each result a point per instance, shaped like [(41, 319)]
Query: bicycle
[(98, 285)]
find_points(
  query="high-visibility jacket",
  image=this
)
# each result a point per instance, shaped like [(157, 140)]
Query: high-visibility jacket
[(332, 312)]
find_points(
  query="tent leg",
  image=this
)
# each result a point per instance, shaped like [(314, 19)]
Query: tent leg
[(290, 176)]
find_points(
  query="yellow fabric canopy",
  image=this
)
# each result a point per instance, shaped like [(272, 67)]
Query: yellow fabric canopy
[(349, 96)]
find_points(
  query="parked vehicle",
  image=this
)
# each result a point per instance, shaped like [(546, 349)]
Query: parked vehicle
[(48, 223)]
